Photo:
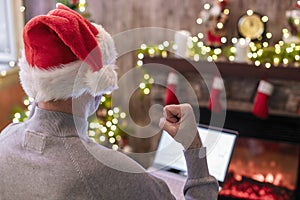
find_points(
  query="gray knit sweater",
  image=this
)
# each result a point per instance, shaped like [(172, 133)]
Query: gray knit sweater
[(48, 157)]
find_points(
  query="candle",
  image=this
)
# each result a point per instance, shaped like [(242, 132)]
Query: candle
[(242, 50), (181, 43)]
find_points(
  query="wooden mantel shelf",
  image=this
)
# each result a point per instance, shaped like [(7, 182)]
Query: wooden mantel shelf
[(229, 69)]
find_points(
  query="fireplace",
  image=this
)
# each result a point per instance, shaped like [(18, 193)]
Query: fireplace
[(262, 169), (266, 160)]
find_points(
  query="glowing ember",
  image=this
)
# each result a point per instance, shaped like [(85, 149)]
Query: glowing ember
[(269, 178), (241, 187), (278, 179), (258, 177), (262, 170)]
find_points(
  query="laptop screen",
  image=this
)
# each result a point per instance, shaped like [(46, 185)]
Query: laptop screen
[(219, 145)]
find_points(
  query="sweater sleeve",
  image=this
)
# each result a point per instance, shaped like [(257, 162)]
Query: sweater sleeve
[(199, 184)]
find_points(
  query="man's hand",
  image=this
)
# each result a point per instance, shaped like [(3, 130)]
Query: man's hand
[(179, 122)]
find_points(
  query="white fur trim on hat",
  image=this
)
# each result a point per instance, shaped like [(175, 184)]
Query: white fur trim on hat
[(107, 45), (66, 81), (106, 80)]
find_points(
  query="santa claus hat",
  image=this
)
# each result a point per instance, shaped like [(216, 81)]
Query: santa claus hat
[(66, 56)]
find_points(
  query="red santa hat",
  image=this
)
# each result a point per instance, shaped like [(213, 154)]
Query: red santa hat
[(66, 56)]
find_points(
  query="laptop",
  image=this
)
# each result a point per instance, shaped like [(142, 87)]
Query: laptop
[(169, 162)]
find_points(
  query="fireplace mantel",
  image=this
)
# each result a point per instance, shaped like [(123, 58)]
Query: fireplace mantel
[(229, 69)]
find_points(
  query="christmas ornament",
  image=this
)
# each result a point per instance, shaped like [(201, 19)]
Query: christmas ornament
[(293, 17), (171, 89), (260, 107), (242, 50), (214, 103), (214, 18)]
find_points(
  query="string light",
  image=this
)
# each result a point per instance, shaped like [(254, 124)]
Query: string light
[(226, 11), (206, 6), (199, 21), (140, 56), (146, 76), (102, 138), (161, 47), (116, 109), (108, 123), (276, 61), (195, 39), (214, 57), (92, 133), (22, 116), (219, 25), (261, 52), (269, 35), (100, 129), (22, 9), (143, 46), (268, 65), (218, 51), (110, 113), (209, 59), (166, 43), (142, 85), (151, 52), (82, 5), (111, 134), (249, 12), (3, 73), (103, 129), (257, 63), (123, 115), (231, 58), (265, 19), (115, 121), (281, 43), (200, 35), (234, 40), (115, 147), (200, 44), (249, 55), (196, 57), (232, 49), (146, 91), (223, 40), (139, 63), (151, 80)]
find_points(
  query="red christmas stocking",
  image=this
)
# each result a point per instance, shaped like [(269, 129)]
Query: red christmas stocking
[(260, 108), (171, 88), (214, 103)]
